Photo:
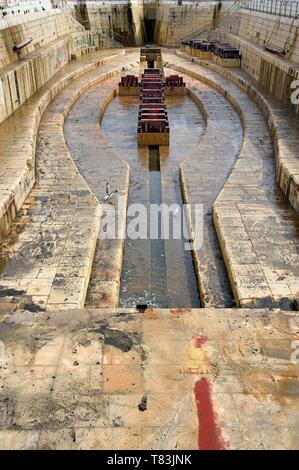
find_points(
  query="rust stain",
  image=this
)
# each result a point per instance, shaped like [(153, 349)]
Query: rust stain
[(152, 314), (179, 311)]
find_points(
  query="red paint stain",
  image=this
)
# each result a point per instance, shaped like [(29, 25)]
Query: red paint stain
[(179, 311), (199, 341), (209, 433), (152, 314)]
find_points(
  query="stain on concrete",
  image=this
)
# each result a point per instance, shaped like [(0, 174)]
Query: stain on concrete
[(122, 340), (7, 292), (209, 433), (142, 406)]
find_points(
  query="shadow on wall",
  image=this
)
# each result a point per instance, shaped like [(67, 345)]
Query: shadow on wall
[(114, 20), (133, 24), (81, 13), (149, 26)]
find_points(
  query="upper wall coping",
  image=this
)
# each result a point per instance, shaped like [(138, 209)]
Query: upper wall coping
[(15, 20)]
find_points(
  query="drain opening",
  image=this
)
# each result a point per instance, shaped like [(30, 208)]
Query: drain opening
[(141, 308)]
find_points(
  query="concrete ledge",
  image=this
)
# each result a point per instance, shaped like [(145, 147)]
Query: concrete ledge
[(18, 140), (284, 131), (251, 221), (100, 164), (62, 210), (203, 174)]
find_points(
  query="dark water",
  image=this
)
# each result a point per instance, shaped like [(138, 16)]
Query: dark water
[(158, 261), (157, 272)]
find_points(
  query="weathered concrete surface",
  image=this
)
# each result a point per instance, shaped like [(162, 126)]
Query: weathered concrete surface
[(91, 150), (51, 259), (155, 273), (18, 137), (211, 379), (254, 31), (121, 20), (272, 71), (284, 128), (276, 31), (203, 173), (43, 27), (23, 78), (257, 229), (174, 22)]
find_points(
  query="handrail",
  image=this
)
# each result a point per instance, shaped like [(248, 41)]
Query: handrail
[(102, 35), (232, 8), (285, 8)]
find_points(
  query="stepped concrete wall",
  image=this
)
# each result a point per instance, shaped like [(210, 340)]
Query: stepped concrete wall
[(121, 20), (18, 139), (42, 27), (20, 81), (272, 31), (270, 48), (176, 22), (58, 35), (274, 73)]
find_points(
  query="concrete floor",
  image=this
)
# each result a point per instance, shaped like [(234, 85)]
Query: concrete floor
[(167, 378), (163, 379)]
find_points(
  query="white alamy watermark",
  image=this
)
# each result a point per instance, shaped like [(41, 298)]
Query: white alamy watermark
[(153, 222), (295, 93), (2, 353), (295, 354)]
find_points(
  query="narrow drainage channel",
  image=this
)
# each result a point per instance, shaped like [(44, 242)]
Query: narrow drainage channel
[(156, 272), (157, 246), (167, 278)]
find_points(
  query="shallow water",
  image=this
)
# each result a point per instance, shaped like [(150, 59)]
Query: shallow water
[(155, 271)]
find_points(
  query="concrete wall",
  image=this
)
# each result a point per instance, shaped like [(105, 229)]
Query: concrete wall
[(42, 27), (273, 31), (176, 22), (119, 19), (270, 48), (269, 70), (230, 19), (130, 23), (19, 82)]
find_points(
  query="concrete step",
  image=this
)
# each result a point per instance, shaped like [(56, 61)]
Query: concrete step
[(257, 229), (51, 258)]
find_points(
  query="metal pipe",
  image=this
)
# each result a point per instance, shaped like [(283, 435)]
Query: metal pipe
[(18, 47)]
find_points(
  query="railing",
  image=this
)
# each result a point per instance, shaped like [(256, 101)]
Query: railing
[(184, 2), (106, 37), (288, 9)]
